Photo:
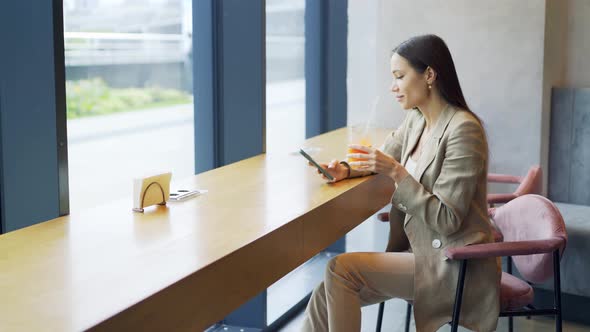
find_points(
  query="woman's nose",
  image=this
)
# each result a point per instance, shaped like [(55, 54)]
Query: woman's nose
[(394, 87)]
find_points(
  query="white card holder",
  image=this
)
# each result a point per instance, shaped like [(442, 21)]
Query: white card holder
[(151, 190)]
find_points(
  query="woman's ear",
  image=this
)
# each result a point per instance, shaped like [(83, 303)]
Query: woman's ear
[(430, 75)]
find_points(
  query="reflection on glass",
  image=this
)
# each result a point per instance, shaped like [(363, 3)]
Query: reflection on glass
[(129, 94), (285, 75), (285, 123)]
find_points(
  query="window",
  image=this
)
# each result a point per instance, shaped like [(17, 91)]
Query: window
[(285, 75), (129, 94), (285, 120)]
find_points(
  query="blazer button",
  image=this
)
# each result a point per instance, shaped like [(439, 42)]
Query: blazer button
[(436, 243)]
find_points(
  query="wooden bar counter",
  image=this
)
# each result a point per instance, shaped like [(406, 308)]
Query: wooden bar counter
[(188, 264)]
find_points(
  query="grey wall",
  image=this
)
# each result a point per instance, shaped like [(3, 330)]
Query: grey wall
[(569, 154), (554, 70), (567, 50), (577, 44), (498, 51), (565, 110), (362, 59)]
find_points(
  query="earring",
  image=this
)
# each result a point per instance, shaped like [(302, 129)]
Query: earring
[(429, 86)]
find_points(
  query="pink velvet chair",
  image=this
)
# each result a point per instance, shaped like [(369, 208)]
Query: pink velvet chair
[(531, 183), (534, 232)]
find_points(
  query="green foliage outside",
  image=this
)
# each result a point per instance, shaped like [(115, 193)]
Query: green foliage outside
[(94, 97)]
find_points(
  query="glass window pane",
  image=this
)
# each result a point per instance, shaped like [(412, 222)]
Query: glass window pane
[(285, 74), (129, 94), (285, 124)]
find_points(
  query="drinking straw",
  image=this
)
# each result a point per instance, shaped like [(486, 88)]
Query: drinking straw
[(371, 117)]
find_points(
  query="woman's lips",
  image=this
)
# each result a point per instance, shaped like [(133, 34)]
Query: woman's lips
[(399, 98)]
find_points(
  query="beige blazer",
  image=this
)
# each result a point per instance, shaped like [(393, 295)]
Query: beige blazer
[(445, 207)]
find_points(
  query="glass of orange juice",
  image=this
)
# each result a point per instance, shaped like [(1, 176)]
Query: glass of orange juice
[(361, 135)]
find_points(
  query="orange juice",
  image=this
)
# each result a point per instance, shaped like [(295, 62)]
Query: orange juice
[(363, 141), (355, 151)]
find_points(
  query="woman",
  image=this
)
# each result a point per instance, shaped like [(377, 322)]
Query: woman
[(437, 160)]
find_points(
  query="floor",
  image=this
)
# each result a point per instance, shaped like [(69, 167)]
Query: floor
[(395, 314)]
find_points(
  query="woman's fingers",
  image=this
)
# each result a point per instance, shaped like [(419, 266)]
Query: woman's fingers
[(357, 155), (370, 153), (325, 178), (363, 163), (377, 166), (361, 155), (359, 147), (376, 161), (333, 163)]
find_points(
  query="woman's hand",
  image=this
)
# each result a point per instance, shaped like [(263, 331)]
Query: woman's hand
[(377, 161), (334, 168)]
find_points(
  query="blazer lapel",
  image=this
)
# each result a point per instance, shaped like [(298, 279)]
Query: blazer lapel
[(431, 147), (413, 137)]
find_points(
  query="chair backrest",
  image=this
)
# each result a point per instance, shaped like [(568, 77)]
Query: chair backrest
[(531, 183), (526, 218)]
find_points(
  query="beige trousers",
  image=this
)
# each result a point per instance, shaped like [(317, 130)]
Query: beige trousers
[(353, 280)]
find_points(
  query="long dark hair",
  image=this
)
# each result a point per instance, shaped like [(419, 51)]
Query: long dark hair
[(431, 51)]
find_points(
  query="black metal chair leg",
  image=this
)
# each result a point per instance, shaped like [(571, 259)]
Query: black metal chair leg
[(380, 316), (530, 306), (509, 271), (557, 289), (458, 297), (408, 317)]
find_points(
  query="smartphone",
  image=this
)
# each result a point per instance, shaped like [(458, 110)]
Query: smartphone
[(320, 168)]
